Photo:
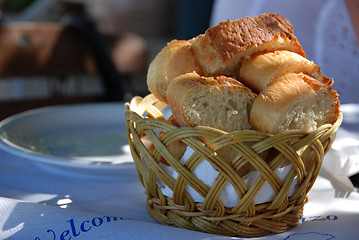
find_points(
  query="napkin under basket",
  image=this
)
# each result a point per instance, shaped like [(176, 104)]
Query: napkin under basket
[(305, 151)]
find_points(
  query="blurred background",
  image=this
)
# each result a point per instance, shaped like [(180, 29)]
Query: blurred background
[(72, 51)]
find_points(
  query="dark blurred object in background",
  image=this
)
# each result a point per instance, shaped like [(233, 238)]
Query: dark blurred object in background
[(192, 17), (132, 31), (15, 6)]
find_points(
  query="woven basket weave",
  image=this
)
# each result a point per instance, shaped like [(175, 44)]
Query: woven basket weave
[(305, 151)]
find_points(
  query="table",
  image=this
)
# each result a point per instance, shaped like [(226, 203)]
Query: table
[(39, 201)]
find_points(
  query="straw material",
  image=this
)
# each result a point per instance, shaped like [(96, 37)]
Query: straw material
[(305, 151)]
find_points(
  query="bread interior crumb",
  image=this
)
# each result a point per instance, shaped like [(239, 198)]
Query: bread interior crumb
[(307, 113), (225, 109)]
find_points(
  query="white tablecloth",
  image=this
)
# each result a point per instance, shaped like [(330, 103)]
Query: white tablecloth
[(40, 202)]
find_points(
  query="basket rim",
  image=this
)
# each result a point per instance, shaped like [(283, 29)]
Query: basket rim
[(336, 124)]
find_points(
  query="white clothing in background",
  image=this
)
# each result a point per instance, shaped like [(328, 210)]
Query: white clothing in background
[(324, 29)]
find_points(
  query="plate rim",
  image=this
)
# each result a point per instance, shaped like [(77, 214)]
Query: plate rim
[(39, 157)]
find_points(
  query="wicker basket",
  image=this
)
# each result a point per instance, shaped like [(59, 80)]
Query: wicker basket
[(305, 151)]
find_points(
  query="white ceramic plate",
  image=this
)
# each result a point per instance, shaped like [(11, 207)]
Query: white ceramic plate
[(81, 137)]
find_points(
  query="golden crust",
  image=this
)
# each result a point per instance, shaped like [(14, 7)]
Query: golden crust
[(172, 61), (223, 47)]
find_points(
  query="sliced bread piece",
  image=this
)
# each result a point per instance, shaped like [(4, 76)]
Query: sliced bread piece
[(220, 102), (294, 101), (175, 59), (261, 69)]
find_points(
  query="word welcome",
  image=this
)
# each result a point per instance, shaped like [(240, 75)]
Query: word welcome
[(74, 230)]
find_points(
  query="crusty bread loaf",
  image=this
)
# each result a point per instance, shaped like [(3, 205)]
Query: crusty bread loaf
[(294, 101), (172, 61), (220, 102), (261, 69), (222, 49)]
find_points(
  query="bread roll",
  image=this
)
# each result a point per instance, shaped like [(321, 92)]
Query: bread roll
[(220, 102), (172, 61), (261, 69), (294, 101), (222, 49)]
